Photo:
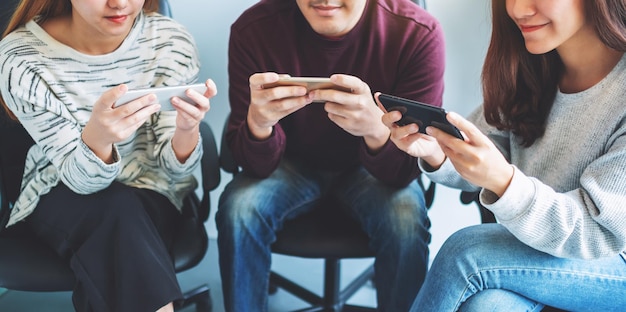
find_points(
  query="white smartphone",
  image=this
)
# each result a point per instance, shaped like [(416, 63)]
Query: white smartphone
[(311, 83), (164, 94)]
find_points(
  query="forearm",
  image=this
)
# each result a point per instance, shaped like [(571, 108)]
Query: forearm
[(184, 142)]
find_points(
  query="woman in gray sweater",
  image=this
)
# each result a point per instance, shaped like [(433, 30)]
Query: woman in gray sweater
[(547, 151)]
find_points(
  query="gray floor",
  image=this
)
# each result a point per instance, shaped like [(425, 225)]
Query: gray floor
[(447, 215)]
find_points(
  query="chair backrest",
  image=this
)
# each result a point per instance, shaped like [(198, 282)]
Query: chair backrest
[(421, 3), (7, 7), (164, 8), (14, 144)]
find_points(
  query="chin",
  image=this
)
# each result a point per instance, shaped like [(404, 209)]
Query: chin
[(329, 30), (538, 49)]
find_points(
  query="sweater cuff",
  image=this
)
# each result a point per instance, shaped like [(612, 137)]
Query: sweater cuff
[(517, 198)]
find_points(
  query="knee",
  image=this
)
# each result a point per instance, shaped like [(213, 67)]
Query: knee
[(406, 219), (238, 207), (469, 247)]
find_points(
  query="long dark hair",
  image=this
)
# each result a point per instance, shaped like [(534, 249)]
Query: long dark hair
[(519, 88), (44, 10)]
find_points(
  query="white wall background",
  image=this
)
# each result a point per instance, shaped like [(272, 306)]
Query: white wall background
[(466, 26)]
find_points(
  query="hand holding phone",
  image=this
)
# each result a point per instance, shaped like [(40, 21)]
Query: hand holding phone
[(164, 95), (422, 114), (310, 83)]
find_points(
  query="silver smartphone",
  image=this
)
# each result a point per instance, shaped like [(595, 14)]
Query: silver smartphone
[(310, 83), (164, 94)]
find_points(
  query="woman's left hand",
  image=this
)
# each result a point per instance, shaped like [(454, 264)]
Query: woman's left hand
[(476, 158), (191, 114), (188, 120)]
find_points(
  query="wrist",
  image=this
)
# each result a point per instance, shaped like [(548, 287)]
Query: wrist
[(435, 160), (258, 132), (502, 183), (376, 141)]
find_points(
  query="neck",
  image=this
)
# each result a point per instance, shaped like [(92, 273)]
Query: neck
[(586, 63)]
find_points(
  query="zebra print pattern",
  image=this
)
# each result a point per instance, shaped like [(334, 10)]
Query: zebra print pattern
[(51, 88)]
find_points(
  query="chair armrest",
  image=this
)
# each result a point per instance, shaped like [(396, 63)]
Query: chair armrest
[(210, 168), (4, 203), (486, 216), (227, 161)]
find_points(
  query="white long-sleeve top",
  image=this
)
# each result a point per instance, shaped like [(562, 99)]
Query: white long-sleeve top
[(568, 192), (51, 88)]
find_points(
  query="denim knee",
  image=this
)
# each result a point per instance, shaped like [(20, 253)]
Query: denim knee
[(238, 207), (404, 218), (476, 242)]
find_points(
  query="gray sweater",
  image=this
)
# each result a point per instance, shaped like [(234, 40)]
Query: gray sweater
[(568, 193), (51, 88)]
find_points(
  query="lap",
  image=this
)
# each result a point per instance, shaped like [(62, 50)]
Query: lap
[(293, 189), (63, 213)]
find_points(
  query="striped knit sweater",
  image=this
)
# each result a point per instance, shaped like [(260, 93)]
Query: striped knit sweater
[(568, 193), (51, 88)]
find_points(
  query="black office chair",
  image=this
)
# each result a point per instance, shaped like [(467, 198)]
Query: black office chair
[(319, 234), (28, 265)]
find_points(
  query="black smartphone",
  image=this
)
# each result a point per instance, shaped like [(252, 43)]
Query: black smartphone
[(422, 114)]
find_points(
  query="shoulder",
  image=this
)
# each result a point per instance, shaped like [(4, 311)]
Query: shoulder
[(20, 51), (406, 13), (164, 28), (19, 40)]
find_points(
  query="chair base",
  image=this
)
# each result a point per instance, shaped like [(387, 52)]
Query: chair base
[(334, 299), (200, 297)]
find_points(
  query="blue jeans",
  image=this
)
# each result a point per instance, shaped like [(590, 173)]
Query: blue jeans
[(485, 268), (252, 210)]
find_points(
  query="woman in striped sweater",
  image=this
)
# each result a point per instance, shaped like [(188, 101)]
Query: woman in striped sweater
[(102, 185)]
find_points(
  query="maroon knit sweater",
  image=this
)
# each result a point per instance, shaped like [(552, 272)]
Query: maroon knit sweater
[(396, 48)]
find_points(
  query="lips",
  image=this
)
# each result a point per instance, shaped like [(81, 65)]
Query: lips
[(325, 7), (530, 28), (117, 18), (326, 10)]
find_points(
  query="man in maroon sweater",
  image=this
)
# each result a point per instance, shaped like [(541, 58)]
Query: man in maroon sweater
[(295, 147)]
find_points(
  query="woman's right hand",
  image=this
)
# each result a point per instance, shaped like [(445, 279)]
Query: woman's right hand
[(108, 125), (410, 140)]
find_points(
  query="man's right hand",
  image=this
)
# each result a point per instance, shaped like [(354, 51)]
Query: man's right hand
[(270, 105)]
